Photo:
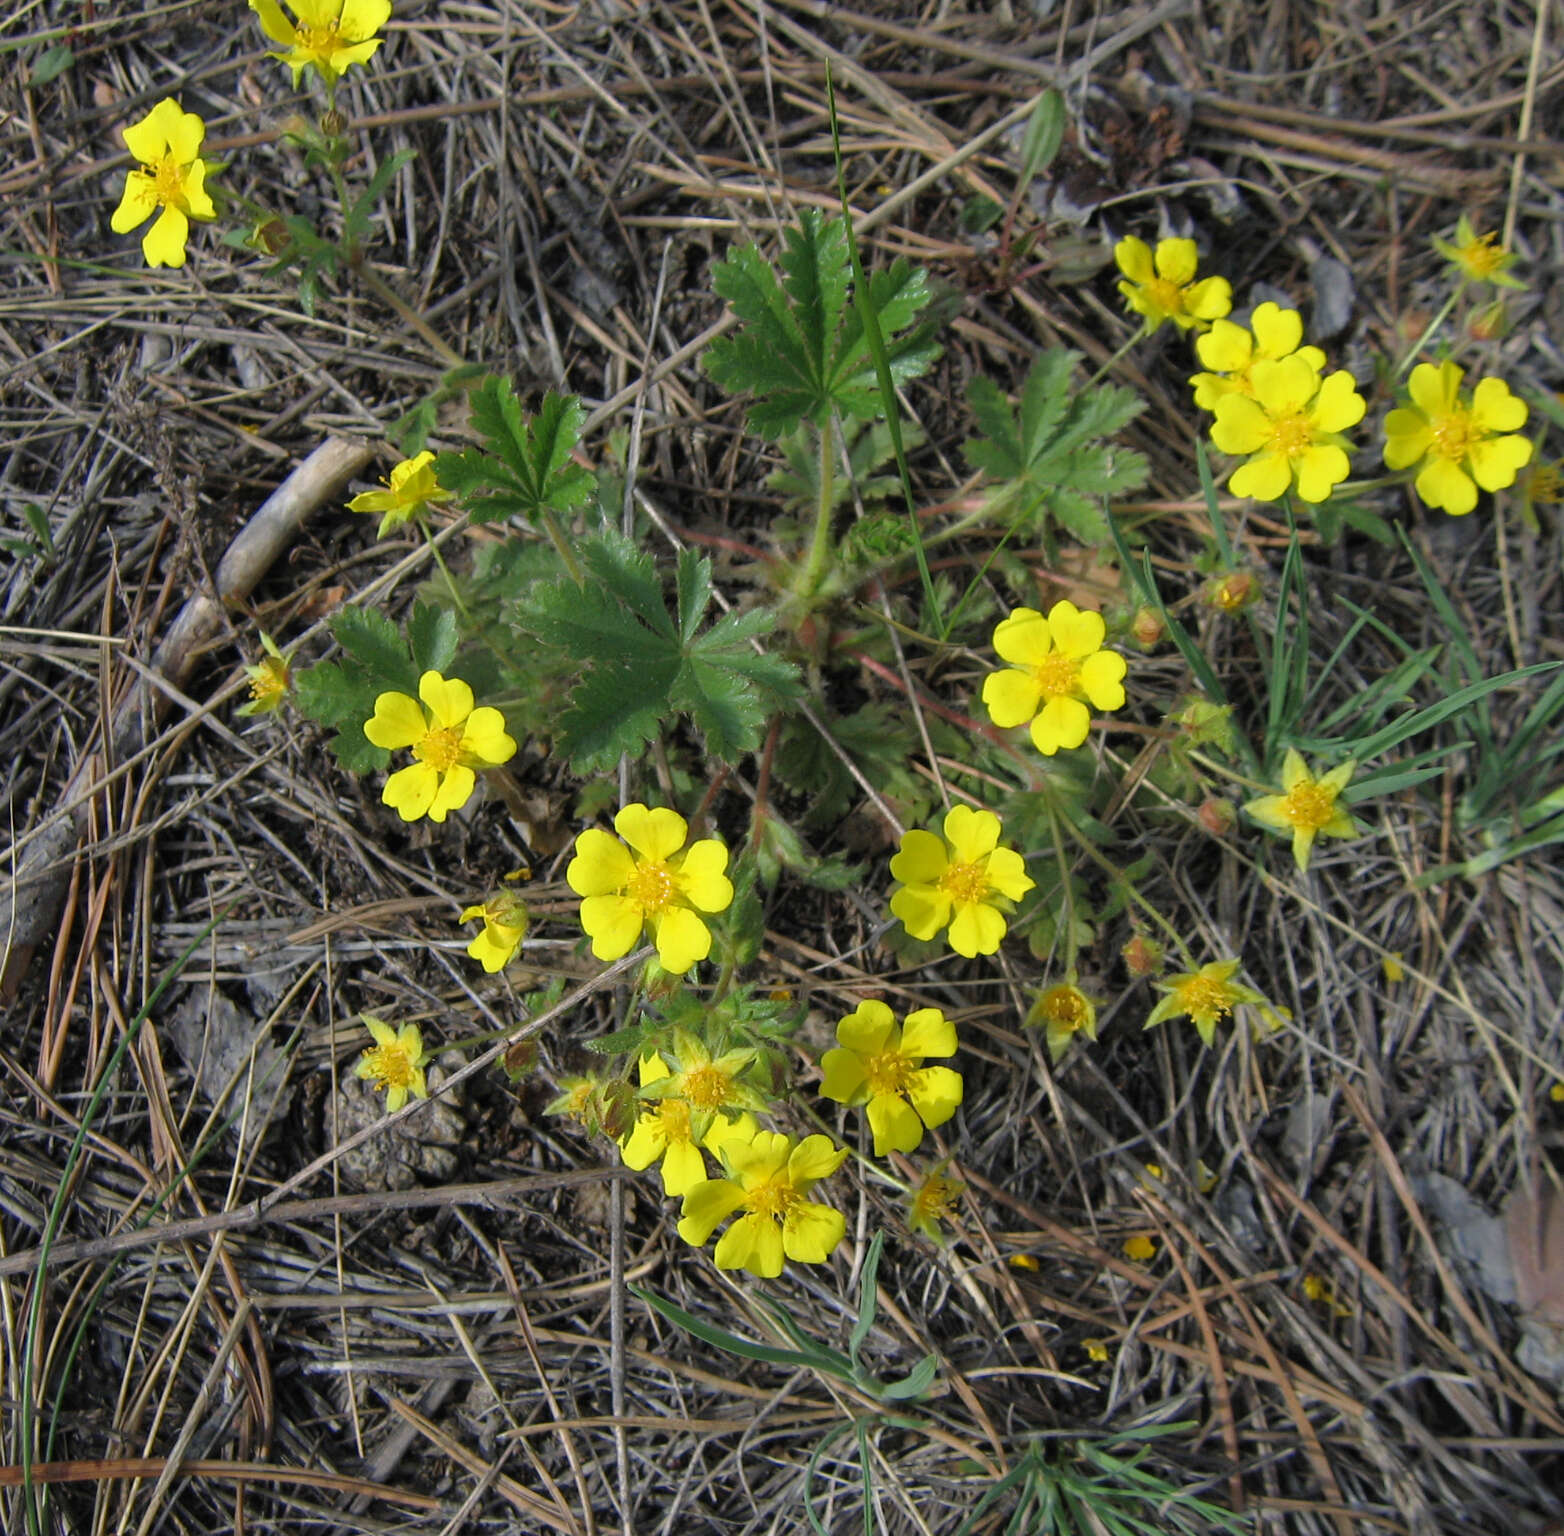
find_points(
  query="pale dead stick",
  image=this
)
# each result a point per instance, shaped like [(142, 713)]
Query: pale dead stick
[(39, 878)]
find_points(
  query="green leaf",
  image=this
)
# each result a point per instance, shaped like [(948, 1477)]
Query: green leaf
[(52, 63), (524, 467), (639, 667), (431, 632), (1044, 134), (355, 224), (800, 350), (371, 639), (1050, 457), (342, 699)]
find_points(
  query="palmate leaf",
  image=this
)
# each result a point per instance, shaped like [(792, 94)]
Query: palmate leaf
[(523, 467), (640, 666), (800, 350), (1049, 457)]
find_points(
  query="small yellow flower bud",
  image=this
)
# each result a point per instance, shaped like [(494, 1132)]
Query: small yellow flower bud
[(1147, 628), (1216, 816), (1142, 956)]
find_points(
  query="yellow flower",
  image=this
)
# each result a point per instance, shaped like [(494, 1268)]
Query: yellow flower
[(1291, 429), (1055, 664), (395, 1063), (1457, 445), (1096, 1350), (1318, 1289), (1230, 351), (1392, 967), (1205, 995), (1164, 288), (1026, 1261), (769, 1178), (504, 927), (410, 491), (650, 884), (1556, 1093), (1063, 1010), (1306, 806), (1140, 1248), (1478, 258), (329, 36), (270, 680), (878, 1063), (932, 1202), (448, 743), (577, 1100), (166, 143), (962, 879), (674, 1131)]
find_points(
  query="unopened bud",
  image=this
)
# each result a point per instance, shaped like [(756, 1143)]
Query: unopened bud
[(1217, 816), (1142, 956), (1147, 628), (1230, 591), (1490, 322), (333, 124)]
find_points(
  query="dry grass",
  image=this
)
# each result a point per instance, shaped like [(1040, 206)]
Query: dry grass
[(265, 1308)]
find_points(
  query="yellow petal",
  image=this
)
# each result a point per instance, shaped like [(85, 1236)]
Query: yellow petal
[(456, 787), (1496, 463), (411, 791), (1011, 697), (1102, 679), (363, 18), (1062, 723), (1443, 484), (1227, 347), (936, 1094), (842, 1074), (1133, 258), (754, 1243), (976, 929), (448, 700), (970, 833), (1264, 478), (683, 1168), (1023, 639), (164, 244), (681, 938), (1320, 469), (1241, 426), (811, 1231), (1338, 405), (397, 722), (613, 923), (922, 909), (484, 736), (702, 878), (1209, 299), (654, 834), (1176, 260), (895, 1124), (137, 205), (1007, 874), (602, 864), (921, 860), (927, 1032), (1277, 331), (273, 23), (1433, 389), (867, 1028), (198, 202), (1076, 634), (708, 1203), (1495, 409)]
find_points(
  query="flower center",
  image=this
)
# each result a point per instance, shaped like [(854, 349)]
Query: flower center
[(1482, 257), (1308, 806), (772, 1197), (1204, 998), (268, 684), (441, 748), (168, 178), (390, 1066), (1168, 297), (1057, 675), (887, 1072), (674, 1115), (1454, 435), (708, 1087), (936, 1198), (965, 883), (1064, 1007), (322, 41), (651, 887), (1291, 434)]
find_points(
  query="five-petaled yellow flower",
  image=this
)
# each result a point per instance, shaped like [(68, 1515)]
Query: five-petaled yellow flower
[(1291, 429), (504, 917), (650, 884), (878, 1063), (933, 1201), (1064, 1011), (270, 679), (964, 879), (395, 1063), (1205, 995), (167, 144), (1230, 351), (449, 743), (768, 1180), (1478, 258), (410, 491), (674, 1130), (1057, 666), (1458, 445), (329, 36), (1163, 287), (1306, 806)]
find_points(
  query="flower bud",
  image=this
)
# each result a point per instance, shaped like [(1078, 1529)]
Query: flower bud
[(1217, 816), (333, 124), (1228, 591), (1142, 956), (1147, 628)]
